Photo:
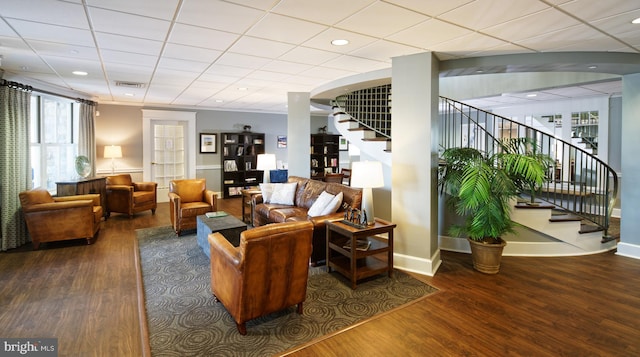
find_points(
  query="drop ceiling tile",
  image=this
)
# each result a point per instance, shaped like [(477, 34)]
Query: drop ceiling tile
[(256, 4), (326, 12), (619, 24), (163, 10), (173, 50), (46, 12), (260, 47), (327, 73), (285, 67), (571, 92), (201, 37), (310, 56), (390, 19), (382, 50), (110, 56), (243, 61), (558, 39), (531, 25), (355, 64), (430, 7), (165, 76), (52, 33), (230, 71), (285, 29), (128, 44), (128, 73), (468, 44), (119, 23), (268, 76), (183, 65), (589, 10), (478, 15), (428, 33), (219, 15), (323, 41), (63, 50)]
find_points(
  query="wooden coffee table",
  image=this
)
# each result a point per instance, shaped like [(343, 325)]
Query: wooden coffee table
[(345, 258), (229, 226)]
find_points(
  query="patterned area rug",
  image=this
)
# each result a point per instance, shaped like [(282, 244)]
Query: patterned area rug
[(184, 320)]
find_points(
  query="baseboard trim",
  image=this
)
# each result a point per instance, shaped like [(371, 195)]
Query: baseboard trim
[(418, 265), (628, 250)]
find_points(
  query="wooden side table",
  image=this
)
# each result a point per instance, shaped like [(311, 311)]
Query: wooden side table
[(247, 205), (355, 264)]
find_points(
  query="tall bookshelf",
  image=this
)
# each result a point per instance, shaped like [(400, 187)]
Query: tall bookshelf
[(239, 161), (325, 155)]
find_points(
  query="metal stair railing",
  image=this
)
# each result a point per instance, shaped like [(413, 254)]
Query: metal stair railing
[(579, 182)]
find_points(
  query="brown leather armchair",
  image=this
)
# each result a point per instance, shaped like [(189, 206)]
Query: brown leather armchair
[(128, 197), (188, 199), (268, 272), (60, 218)]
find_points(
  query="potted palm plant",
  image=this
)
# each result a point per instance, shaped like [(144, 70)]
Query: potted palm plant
[(480, 188)]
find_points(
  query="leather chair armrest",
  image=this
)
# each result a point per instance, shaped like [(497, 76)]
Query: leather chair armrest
[(93, 197), (257, 198), (119, 188), (145, 186), (224, 250), (55, 206), (211, 198), (319, 221)]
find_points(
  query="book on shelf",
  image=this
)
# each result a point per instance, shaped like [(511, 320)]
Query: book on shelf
[(361, 244), (216, 214), (230, 165), (228, 182)]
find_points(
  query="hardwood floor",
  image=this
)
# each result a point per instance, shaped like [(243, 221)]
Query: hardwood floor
[(575, 306)]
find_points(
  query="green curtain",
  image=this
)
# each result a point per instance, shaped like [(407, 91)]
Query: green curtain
[(86, 134), (15, 168)]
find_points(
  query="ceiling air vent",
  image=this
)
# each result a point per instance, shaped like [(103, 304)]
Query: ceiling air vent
[(129, 84)]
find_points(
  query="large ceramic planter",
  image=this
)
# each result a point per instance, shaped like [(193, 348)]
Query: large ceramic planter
[(486, 257)]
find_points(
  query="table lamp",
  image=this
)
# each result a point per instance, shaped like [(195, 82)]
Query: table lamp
[(266, 163), (113, 152), (367, 175)]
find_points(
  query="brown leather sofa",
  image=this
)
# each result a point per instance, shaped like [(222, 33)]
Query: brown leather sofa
[(128, 197), (307, 191), (268, 272), (188, 199), (60, 218)]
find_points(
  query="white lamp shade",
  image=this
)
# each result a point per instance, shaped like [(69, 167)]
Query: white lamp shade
[(367, 174), (112, 152), (266, 162)]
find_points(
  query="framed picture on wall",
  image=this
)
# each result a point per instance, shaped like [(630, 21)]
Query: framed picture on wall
[(343, 144), (282, 141), (208, 143)]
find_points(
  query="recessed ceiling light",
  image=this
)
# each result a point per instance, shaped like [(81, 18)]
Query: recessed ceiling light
[(479, 71), (531, 95), (129, 94), (219, 101), (593, 67), (340, 42), (636, 21), (80, 73), (242, 88), (24, 68)]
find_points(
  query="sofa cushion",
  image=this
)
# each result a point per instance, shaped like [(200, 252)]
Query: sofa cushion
[(282, 214), (321, 203), (333, 206), (283, 193), (267, 190), (141, 197)]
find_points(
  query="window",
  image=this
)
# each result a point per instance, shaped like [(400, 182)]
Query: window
[(54, 140)]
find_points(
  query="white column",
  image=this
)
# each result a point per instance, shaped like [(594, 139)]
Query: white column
[(630, 194), (299, 133), (414, 193)]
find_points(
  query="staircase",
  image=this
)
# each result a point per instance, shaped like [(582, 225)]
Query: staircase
[(580, 186)]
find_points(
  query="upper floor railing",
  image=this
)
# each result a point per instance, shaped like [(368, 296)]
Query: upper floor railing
[(371, 107)]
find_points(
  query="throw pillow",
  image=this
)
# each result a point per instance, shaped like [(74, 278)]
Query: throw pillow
[(319, 205), (284, 193), (267, 191), (333, 206)]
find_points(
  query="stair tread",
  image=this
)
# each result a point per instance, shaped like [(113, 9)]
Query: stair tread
[(359, 129), (564, 218), (588, 228)]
